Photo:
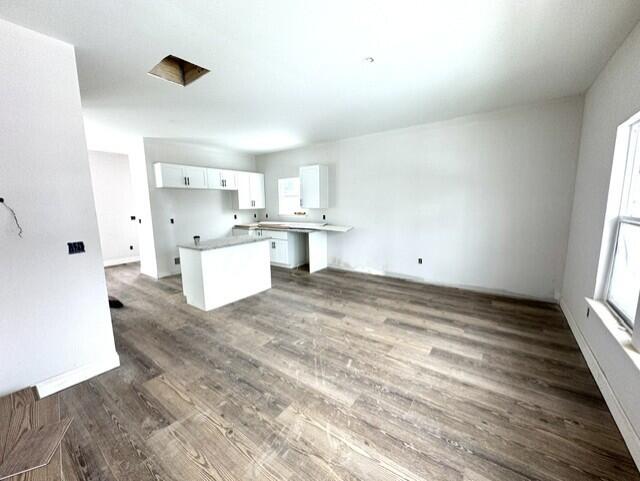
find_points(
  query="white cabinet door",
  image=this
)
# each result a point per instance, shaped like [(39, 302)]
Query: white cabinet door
[(213, 179), (279, 251), (228, 180), (314, 187), (250, 190), (196, 177), (257, 190), (170, 175), (273, 251), (244, 191)]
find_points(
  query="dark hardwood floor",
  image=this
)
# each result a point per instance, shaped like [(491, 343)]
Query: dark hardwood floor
[(340, 376)]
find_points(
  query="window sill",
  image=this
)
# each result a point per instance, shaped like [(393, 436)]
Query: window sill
[(617, 328)]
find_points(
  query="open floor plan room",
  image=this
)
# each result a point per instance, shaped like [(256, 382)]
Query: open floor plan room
[(362, 240)]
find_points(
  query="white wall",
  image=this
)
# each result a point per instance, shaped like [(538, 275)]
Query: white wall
[(484, 200), (612, 99), (113, 194), (54, 315), (207, 213)]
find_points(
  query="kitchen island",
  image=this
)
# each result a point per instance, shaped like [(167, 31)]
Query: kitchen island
[(220, 271)]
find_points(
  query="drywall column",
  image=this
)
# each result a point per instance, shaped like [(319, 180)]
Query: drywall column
[(54, 314)]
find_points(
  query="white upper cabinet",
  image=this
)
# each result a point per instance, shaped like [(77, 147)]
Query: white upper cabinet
[(180, 176), (221, 179), (196, 177), (250, 190), (314, 187), (170, 175), (228, 179)]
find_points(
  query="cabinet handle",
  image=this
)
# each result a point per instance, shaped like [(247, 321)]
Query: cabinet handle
[(273, 245), (188, 180), (301, 203), (185, 180)]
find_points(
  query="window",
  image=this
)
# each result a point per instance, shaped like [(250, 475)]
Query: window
[(289, 196), (623, 291)]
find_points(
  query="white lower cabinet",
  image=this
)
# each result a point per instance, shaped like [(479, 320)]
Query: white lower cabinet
[(279, 251), (287, 249)]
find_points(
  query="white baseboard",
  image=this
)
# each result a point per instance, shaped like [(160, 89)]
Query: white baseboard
[(70, 378), (420, 280), (629, 434), (123, 260)]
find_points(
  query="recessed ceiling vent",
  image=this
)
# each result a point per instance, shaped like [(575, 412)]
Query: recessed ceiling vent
[(178, 71)]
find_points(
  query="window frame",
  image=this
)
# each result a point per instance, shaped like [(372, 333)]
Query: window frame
[(301, 212), (628, 323), (631, 159)]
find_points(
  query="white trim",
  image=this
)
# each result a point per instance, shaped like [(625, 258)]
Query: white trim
[(629, 434), (75, 376), (123, 260)]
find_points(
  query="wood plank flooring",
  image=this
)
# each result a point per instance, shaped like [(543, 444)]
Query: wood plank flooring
[(20, 414), (340, 376)]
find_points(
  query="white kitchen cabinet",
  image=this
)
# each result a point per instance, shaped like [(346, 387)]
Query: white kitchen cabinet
[(279, 251), (314, 187), (250, 190), (221, 179), (196, 177), (180, 176), (170, 175), (228, 179)]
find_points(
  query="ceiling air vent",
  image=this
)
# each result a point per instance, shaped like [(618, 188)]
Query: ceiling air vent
[(178, 71)]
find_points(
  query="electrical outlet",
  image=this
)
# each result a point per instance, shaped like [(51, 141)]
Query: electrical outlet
[(172, 221), (75, 247), (255, 216), (267, 216), (176, 261), (130, 248), (139, 221), (419, 260), (133, 217), (324, 217), (235, 216)]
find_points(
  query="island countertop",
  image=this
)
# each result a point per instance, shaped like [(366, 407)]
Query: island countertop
[(223, 242)]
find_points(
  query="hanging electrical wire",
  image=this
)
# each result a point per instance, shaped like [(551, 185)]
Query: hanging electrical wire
[(13, 214)]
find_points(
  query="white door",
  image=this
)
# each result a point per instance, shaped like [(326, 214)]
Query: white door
[(244, 190), (196, 177), (170, 175), (228, 180), (257, 190)]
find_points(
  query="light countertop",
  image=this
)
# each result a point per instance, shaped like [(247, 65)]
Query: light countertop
[(210, 244), (305, 227)]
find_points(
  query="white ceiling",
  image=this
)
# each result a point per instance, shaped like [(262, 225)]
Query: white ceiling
[(291, 72)]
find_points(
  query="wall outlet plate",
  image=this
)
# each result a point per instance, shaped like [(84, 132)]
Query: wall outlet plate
[(419, 260), (76, 247), (176, 260)]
